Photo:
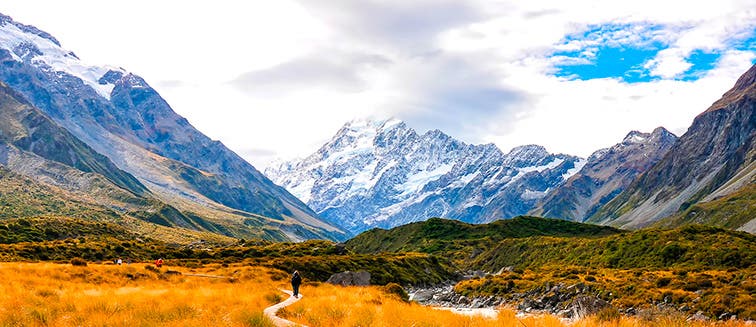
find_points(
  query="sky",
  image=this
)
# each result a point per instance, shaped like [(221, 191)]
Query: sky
[(277, 79)]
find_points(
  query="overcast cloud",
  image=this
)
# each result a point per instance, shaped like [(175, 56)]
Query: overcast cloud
[(277, 79)]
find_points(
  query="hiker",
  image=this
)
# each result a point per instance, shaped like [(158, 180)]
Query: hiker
[(159, 262), (119, 261), (296, 280)]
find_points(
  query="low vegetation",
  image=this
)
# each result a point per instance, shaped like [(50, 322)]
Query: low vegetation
[(714, 292), (731, 211), (45, 294), (693, 268), (685, 270), (452, 237), (693, 247), (63, 239), (328, 305)]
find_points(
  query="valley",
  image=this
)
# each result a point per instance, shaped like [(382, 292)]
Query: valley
[(390, 224)]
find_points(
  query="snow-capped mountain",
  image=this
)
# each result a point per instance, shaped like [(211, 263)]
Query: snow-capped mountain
[(385, 174), (607, 173), (120, 116)]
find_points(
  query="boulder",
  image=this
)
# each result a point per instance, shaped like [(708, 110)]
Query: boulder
[(422, 296), (348, 278)]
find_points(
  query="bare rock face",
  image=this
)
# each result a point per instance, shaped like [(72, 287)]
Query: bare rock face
[(348, 278), (607, 173), (714, 158)]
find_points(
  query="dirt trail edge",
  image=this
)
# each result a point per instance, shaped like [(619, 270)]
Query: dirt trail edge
[(270, 311)]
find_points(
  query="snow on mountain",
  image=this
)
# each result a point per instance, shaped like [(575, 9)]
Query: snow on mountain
[(384, 174), (120, 116), (44, 51), (605, 174)]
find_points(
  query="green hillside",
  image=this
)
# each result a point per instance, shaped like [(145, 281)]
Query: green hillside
[(23, 197), (690, 246), (731, 211), (436, 234)]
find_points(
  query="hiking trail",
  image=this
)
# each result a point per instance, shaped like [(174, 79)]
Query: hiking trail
[(270, 311)]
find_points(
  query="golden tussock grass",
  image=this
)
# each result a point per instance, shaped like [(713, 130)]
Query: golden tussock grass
[(327, 305), (46, 294)]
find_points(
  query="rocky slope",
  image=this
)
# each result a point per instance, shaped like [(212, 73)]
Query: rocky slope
[(713, 159), (385, 174), (118, 115), (606, 173), (33, 145)]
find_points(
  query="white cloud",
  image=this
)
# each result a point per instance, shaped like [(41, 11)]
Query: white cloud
[(278, 78)]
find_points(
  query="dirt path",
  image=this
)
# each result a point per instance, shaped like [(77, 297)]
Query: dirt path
[(270, 311)]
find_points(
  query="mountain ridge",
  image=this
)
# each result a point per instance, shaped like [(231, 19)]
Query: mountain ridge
[(606, 173), (714, 158), (120, 116), (381, 173)]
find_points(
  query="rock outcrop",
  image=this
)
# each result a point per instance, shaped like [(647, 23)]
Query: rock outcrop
[(349, 278)]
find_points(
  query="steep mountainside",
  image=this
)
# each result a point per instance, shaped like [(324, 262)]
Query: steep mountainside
[(46, 171), (25, 128), (607, 173), (119, 115), (384, 174), (33, 145), (713, 159)]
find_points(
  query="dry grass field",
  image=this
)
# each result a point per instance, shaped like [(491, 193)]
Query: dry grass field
[(47, 294)]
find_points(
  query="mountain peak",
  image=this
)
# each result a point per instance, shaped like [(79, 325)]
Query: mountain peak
[(4, 19), (374, 124), (383, 174), (636, 137), (746, 85), (659, 134), (747, 80), (528, 148), (28, 44)]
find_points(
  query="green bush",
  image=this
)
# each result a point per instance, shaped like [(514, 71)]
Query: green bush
[(396, 289), (662, 282)]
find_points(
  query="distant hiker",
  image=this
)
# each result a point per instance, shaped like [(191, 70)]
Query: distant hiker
[(119, 261), (296, 280), (159, 262)]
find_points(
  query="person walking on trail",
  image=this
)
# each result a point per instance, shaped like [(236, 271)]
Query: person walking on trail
[(159, 262), (296, 280)]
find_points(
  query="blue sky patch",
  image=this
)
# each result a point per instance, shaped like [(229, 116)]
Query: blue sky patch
[(701, 62), (610, 51), (625, 51), (610, 62), (746, 44)]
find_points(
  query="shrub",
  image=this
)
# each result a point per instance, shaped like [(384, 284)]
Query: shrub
[(608, 314), (662, 282), (396, 289), (273, 298), (673, 252), (78, 262)]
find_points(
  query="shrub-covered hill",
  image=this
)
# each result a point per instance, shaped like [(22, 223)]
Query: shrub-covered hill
[(61, 239), (529, 242), (693, 246), (57, 228), (443, 235)]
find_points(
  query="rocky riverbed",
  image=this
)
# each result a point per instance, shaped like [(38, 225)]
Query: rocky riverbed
[(566, 301)]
